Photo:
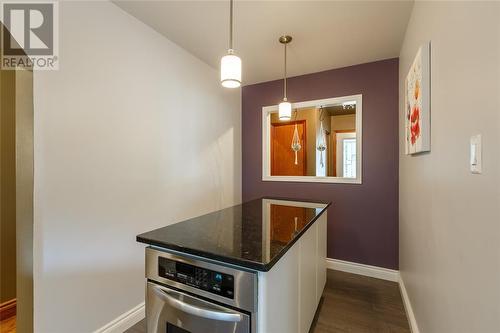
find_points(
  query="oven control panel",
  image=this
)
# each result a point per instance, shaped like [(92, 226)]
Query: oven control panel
[(214, 282)]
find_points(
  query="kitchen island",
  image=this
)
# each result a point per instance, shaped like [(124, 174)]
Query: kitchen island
[(257, 267)]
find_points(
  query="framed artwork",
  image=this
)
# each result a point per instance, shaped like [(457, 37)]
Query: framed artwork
[(418, 104)]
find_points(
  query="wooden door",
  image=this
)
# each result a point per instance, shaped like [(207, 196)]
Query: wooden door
[(282, 155)]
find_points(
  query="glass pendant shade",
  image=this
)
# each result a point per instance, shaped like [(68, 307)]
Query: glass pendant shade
[(285, 110), (230, 70)]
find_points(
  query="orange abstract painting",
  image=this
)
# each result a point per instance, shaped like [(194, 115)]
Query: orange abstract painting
[(417, 103)]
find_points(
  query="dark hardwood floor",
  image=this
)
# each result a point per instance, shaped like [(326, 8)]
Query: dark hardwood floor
[(352, 303), (140, 327)]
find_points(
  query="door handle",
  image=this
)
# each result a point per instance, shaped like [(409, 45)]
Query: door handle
[(167, 296)]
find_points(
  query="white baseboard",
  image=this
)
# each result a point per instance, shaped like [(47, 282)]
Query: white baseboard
[(361, 269), (408, 308), (124, 321)]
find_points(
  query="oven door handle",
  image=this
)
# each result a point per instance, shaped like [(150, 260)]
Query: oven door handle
[(172, 298)]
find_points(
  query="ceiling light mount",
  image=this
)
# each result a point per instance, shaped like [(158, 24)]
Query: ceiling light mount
[(285, 39), (349, 105)]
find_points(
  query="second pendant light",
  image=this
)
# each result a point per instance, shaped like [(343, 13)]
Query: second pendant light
[(285, 107)]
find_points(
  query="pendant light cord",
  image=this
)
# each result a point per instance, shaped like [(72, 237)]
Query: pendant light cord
[(230, 24), (284, 86)]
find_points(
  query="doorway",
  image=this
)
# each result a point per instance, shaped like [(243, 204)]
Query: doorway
[(343, 157), (8, 201), (16, 199)]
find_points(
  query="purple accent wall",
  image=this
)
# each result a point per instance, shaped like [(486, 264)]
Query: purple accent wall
[(363, 220)]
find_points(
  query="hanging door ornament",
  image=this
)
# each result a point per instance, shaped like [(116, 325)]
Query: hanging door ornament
[(296, 143), (322, 139)]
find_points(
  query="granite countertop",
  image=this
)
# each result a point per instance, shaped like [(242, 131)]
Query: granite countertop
[(254, 235)]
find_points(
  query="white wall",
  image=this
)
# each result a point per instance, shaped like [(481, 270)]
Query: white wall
[(449, 218), (132, 133)]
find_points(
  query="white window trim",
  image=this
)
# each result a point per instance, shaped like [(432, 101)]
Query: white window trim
[(266, 144)]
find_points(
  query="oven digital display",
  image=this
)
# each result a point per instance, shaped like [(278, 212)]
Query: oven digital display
[(214, 282), (184, 269)]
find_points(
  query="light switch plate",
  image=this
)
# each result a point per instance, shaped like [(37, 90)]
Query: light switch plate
[(476, 158)]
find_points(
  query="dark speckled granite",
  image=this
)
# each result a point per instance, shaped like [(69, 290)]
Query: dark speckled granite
[(236, 234)]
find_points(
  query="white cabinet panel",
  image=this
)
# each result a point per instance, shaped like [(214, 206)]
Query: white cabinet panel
[(278, 297), (321, 256), (307, 277)]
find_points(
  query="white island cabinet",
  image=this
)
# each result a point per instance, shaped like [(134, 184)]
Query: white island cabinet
[(289, 293)]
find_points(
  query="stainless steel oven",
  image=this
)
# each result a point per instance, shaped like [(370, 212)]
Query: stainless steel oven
[(188, 295)]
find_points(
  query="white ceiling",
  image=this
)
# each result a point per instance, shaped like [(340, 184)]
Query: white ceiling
[(326, 34)]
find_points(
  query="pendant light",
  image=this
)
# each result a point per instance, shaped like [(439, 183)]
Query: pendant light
[(285, 108), (230, 64)]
